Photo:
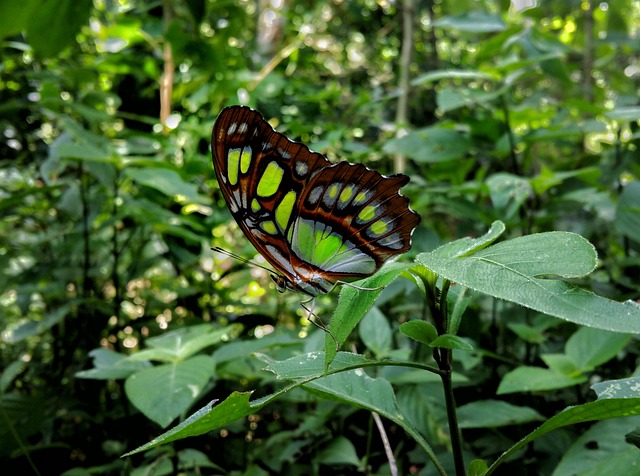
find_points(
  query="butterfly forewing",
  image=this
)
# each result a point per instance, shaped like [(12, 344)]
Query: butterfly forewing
[(315, 222)]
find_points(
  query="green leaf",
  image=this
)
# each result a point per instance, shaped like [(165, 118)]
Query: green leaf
[(449, 99), (477, 467), (431, 144), (535, 379), (9, 373), (627, 221), (420, 331), (590, 348), (375, 332), (465, 246), (164, 392), (434, 76), (624, 114), (519, 271), (354, 303), (561, 363), (183, 343), (593, 411), (204, 420), (54, 24), (449, 341), (474, 22), (601, 450), (166, 181), (621, 388), (495, 413), (353, 387), (109, 365), (31, 327), (508, 192), (339, 451), (15, 15)]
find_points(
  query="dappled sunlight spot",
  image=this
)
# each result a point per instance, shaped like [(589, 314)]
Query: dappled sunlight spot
[(132, 310), (164, 319), (197, 208), (262, 331), (130, 342), (255, 290)]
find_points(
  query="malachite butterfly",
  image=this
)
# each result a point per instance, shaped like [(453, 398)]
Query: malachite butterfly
[(315, 222)]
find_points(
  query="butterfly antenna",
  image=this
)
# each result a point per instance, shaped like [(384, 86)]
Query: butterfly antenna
[(242, 259), (314, 319)]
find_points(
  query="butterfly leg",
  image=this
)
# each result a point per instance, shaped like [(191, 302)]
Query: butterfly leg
[(314, 319)]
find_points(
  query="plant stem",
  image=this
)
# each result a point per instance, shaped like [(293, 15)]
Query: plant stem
[(454, 430)]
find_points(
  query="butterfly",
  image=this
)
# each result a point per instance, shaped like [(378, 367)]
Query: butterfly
[(317, 223)]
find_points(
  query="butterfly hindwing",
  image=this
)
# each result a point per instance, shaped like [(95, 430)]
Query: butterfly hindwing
[(314, 222)]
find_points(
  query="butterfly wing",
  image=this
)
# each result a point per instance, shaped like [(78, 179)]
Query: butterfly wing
[(261, 175), (314, 222), (350, 221)]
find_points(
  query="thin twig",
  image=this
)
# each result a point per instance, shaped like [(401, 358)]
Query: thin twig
[(393, 467)]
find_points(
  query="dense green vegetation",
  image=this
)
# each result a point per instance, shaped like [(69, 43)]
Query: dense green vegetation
[(520, 132)]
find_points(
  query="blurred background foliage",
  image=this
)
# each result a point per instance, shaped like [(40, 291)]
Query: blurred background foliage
[(110, 205)]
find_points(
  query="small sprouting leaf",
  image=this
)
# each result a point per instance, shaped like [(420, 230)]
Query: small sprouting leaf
[(449, 341), (420, 331)]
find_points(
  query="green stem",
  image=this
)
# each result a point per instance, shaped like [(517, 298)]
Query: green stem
[(452, 416), (444, 358)]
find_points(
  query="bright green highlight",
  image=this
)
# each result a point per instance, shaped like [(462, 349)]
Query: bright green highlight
[(329, 251), (379, 227), (361, 197), (284, 209), (255, 206), (245, 160), (269, 227), (233, 162), (333, 191), (346, 194), (314, 246), (367, 213), (270, 180)]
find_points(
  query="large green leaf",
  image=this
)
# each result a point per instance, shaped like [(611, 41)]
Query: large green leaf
[(164, 392), (167, 181), (108, 365), (181, 344), (54, 24), (614, 402), (339, 383), (602, 450), (525, 271)]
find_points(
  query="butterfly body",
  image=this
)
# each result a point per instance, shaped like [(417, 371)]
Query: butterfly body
[(315, 222)]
